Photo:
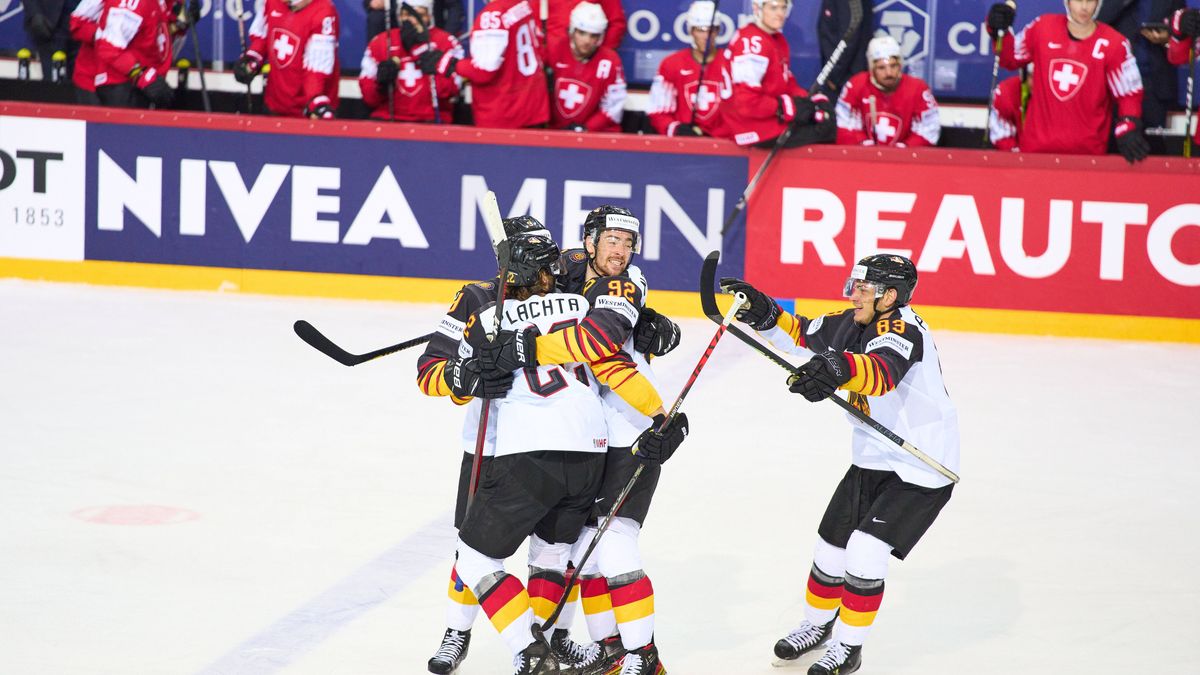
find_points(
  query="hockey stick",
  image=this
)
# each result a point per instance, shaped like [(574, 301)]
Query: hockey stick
[(708, 302), (315, 339), (709, 47), (725, 322), (996, 46), (200, 68), (495, 228), (389, 12), (437, 113), (1187, 131), (240, 10), (856, 12)]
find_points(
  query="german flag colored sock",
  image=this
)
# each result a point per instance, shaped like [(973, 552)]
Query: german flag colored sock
[(567, 617), (462, 607), (545, 590), (822, 597), (507, 605), (633, 608), (597, 607), (860, 601)]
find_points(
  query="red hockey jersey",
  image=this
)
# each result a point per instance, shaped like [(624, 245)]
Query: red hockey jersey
[(413, 100), (590, 94), (1074, 85), (508, 83), (762, 85), (133, 33), (558, 22), (85, 27), (679, 85), (1006, 118), (301, 47), (905, 117)]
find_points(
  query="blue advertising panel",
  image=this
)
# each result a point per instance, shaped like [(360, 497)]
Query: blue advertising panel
[(385, 207)]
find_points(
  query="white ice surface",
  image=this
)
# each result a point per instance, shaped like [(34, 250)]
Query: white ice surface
[(321, 494)]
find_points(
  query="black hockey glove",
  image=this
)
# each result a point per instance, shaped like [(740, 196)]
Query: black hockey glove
[(818, 378), (654, 333), (430, 61), (246, 68), (1000, 17), (385, 76), (411, 35), (687, 130), (1131, 142), (760, 312), (466, 379), (656, 447), (804, 109), (1185, 23), (510, 350)]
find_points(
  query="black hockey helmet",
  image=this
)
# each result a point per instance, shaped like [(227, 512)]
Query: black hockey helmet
[(524, 225), (609, 217), (885, 271), (528, 255)]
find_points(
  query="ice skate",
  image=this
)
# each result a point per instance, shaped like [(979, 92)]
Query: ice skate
[(451, 653)]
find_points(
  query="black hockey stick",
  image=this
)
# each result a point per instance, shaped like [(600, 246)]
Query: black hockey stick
[(709, 48), (539, 631), (200, 68), (1191, 85), (708, 301), (389, 9), (318, 341), (856, 12), (996, 45)]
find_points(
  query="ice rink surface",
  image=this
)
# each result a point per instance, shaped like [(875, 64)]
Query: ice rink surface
[(188, 488)]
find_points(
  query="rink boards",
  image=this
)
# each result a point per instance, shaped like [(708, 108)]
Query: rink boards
[(1004, 243)]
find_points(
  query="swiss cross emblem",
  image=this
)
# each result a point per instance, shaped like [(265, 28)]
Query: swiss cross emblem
[(706, 101), (570, 95), (1066, 77), (285, 44), (409, 77), (887, 126)]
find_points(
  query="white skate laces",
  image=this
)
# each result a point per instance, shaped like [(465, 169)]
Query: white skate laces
[(834, 656), (805, 637)]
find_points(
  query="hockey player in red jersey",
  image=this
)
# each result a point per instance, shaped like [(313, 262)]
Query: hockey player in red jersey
[(882, 353), (589, 83), (684, 102), (133, 52), (85, 27), (1185, 45), (558, 21), (411, 95), (883, 106), (505, 69), (1008, 114), (1081, 69), (298, 39), (766, 98)]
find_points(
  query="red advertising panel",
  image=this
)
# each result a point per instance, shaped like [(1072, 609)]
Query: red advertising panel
[(985, 229)]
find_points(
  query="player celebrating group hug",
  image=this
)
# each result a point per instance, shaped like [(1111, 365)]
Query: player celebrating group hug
[(575, 420)]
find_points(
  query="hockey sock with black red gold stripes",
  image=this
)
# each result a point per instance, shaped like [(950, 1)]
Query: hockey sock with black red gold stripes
[(823, 597), (462, 606), (597, 607), (633, 607), (507, 605), (567, 616), (545, 590), (860, 601)]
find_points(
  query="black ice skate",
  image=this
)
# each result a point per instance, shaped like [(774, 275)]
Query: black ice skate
[(641, 661), (805, 638), (586, 659), (450, 655), (537, 659), (839, 659)]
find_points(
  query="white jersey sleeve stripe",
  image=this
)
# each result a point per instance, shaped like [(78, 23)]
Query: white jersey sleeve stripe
[(749, 69), (120, 27), (487, 49), (320, 54)]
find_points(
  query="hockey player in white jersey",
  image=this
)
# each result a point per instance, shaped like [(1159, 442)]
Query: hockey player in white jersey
[(882, 353)]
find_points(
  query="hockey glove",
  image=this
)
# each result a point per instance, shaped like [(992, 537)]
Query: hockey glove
[(155, 88), (246, 67), (385, 76), (804, 109), (577, 128), (654, 333), (818, 378), (785, 108), (1131, 142), (411, 35), (466, 379), (760, 312), (655, 447), (1185, 23), (686, 130), (1000, 18), (510, 350), (320, 108), (432, 62)]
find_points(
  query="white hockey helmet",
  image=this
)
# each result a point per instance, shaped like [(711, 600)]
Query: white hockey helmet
[(759, 3), (589, 18), (1099, 4), (701, 14), (883, 47)]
